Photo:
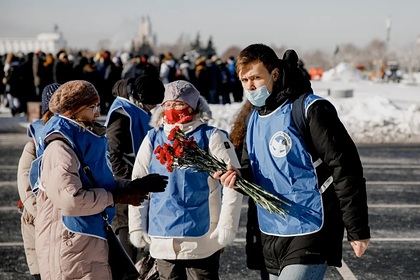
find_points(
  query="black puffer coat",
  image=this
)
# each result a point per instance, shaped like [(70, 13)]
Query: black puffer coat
[(345, 202)]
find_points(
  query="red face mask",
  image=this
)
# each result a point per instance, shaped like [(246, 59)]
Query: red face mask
[(178, 116)]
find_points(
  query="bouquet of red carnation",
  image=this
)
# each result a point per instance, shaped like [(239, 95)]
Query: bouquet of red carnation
[(185, 153)]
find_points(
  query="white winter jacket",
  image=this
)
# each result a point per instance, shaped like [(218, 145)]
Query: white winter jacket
[(224, 209)]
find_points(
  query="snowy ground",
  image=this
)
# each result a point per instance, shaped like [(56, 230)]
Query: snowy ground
[(377, 112)]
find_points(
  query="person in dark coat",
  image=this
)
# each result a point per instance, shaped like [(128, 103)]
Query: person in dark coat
[(91, 74), (126, 125), (110, 74), (28, 85), (202, 81), (13, 84), (234, 84), (320, 175), (44, 71), (63, 69)]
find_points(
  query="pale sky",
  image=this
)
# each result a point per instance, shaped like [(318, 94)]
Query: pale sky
[(303, 25)]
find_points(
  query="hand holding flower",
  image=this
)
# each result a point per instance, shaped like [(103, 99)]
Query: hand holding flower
[(228, 178), (185, 153)]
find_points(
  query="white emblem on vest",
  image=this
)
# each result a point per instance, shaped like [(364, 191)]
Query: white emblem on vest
[(280, 144)]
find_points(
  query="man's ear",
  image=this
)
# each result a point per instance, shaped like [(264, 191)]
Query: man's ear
[(276, 74)]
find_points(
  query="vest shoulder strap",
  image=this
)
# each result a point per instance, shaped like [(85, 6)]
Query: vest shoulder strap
[(299, 119), (298, 116), (85, 167)]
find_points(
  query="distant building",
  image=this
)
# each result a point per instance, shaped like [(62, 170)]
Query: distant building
[(46, 42), (145, 34)]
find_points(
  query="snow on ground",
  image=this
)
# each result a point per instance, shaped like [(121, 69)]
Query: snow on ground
[(376, 113)]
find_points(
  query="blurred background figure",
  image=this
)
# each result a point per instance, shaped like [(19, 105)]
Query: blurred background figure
[(234, 85), (168, 68)]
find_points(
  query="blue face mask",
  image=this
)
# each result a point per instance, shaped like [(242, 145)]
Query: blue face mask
[(258, 96)]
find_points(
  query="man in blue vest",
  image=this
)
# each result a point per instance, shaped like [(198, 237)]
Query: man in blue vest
[(320, 174)]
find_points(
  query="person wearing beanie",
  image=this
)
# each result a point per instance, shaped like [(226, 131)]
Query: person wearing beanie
[(127, 124), (47, 93), (27, 198), (70, 236), (317, 169), (186, 236)]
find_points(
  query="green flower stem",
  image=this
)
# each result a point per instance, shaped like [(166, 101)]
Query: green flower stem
[(195, 157), (198, 158)]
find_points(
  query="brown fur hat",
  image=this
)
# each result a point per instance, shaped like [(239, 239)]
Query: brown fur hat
[(72, 97)]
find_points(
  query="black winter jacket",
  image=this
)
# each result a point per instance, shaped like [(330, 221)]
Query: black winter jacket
[(120, 149), (344, 202)]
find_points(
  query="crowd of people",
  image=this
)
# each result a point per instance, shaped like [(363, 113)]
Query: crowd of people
[(87, 173), (24, 76)]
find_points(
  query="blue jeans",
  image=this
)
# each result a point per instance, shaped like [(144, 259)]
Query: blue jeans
[(301, 272)]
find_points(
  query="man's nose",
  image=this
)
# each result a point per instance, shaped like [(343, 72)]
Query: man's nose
[(250, 85)]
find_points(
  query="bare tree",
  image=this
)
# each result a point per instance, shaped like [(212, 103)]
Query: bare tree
[(181, 46), (348, 53), (210, 49), (231, 51), (317, 59), (376, 49)]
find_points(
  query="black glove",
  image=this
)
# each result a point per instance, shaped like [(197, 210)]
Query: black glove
[(138, 190), (128, 195), (150, 183)]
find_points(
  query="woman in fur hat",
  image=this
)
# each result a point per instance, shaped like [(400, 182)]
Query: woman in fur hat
[(186, 235), (71, 241)]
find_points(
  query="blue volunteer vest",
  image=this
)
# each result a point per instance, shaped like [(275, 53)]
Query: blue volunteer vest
[(34, 131), (93, 150), (182, 210), (281, 165), (139, 120)]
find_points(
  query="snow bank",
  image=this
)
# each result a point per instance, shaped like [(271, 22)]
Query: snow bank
[(378, 113)]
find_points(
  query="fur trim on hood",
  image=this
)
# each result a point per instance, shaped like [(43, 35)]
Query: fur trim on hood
[(203, 114)]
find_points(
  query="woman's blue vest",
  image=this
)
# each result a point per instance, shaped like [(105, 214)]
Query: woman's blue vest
[(139, 120), (92, 149), (34, 131), (182, 210), (281, 165)]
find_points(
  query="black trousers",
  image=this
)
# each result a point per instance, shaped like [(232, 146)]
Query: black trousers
[(197, 269)]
